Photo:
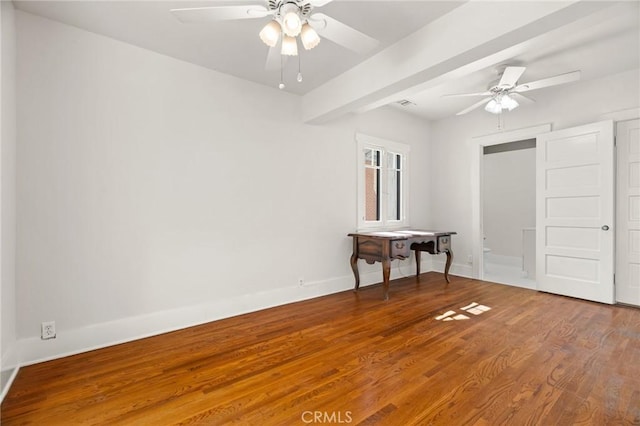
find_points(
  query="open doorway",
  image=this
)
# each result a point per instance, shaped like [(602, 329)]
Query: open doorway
[(477, 146), (509, 213)]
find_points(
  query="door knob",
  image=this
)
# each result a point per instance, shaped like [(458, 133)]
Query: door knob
[(605, 227)]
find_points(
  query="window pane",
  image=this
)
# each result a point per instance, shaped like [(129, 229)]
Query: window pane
[(393, 211), (394, 174), (368, 157), (372, 191), (371, 157), (394, 161), (372, 172)]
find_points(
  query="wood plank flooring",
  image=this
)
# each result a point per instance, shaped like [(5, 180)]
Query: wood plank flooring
[(351, 358)]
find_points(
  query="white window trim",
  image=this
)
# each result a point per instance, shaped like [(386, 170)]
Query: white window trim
[(365, 141)]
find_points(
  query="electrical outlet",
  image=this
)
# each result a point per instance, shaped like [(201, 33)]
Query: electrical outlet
[(48, 330), (470, 259), (301, 281)]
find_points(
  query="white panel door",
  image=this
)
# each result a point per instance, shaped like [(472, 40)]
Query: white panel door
[(575, 212), (628, 213)]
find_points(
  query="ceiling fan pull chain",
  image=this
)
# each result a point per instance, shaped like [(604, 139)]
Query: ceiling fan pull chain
[(281, 85)]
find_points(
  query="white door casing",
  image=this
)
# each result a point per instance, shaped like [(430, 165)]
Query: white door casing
[(628, 212), (575, 212)]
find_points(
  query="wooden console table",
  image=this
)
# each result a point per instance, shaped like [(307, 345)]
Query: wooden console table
[(384, 246)]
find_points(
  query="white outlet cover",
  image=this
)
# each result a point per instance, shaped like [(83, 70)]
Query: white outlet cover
[(48, 330)]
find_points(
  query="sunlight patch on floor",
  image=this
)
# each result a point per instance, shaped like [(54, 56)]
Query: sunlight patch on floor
[(472, 308)]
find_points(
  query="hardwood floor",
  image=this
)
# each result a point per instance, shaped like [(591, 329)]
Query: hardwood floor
[(351, 358)]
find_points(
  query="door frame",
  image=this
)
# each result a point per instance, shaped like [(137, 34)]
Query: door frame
[(477, 145), (621, 243)]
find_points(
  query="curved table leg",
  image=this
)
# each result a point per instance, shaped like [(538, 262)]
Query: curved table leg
[(448, 265), (417, 252), (354, 267), (386, 272)]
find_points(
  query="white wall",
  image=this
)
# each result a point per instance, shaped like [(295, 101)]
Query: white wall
[(154, 194), (509, 199), (450, 141), (7, 188)]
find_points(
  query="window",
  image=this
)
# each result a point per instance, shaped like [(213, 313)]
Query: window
[(382, 182)]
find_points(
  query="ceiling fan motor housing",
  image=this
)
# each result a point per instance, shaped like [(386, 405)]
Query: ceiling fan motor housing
[(495, 86), (304, 7)]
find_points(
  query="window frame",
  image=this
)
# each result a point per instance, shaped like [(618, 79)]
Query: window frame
[(385, 147)]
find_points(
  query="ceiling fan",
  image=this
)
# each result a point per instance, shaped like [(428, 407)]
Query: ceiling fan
[(289, 19), (504, 94)]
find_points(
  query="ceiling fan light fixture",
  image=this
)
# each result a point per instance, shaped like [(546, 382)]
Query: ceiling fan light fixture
[(508, 103), (291, 23), (309, 37), (271, 33), (289, 46), (493, 106)]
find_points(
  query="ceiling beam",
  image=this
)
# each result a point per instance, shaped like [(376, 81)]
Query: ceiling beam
[(453, 45)]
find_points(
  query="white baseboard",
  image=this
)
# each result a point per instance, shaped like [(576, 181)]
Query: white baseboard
[(96, 336), (6, 384), (70, 342), (9, 369)]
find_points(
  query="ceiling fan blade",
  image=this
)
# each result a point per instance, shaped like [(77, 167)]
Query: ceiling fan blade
[(342, 34), (456, 95), (510, 76), (521, 98), (546, 82), (199, 15), (474, 106), (319, 3)]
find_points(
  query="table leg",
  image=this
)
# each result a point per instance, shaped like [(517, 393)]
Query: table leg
[(417, 252), (354, 267), (386, 272), (448, 265)]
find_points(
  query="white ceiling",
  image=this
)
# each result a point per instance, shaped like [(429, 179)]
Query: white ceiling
[(234, 47)]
